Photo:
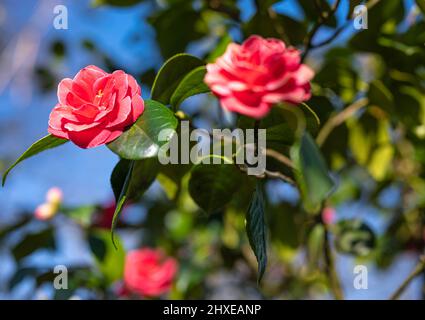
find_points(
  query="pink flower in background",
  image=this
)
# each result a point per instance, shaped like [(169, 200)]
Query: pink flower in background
[(95, 107), (54, 195), (45, 211), (148, 272), (48, 209), (328, 215), (250, 78)]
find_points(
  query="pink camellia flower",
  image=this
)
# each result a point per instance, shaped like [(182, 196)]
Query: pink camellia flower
[(252, 77), (148, 272), (95, 107)]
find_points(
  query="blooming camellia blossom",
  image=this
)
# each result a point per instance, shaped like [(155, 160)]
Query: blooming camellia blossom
[(95, 107), (252, 77), (148, 272)]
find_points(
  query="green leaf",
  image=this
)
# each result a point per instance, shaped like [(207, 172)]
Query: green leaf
[(177, 26), (171, 74), (192, 84), (144, 174), (121, 200), (32, 242), (212, 186), (47, 142), (256, 229), (82, 215), (109, 261), (354, 237), (315, 245), (311, 173), (141, 141)]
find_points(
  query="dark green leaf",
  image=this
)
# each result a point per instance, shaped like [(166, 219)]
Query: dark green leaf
[(121, 200), (256, 229), (141, 141), (192, 84), (32, 242), (47, 142), (212, 185), (171, 74), (144, 174)]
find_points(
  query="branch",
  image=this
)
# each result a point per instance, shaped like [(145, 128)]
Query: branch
[(339, 119), (323, 18), (331, 271), (280, 157), (420, 267)]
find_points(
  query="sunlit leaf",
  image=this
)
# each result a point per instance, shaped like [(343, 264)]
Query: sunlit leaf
[(45, 143), (141, 140)]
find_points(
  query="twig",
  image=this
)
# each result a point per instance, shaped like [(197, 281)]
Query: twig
[(322, 20), (280, 157), (270, 174), (331, 271), (420, 267), (339, 119)]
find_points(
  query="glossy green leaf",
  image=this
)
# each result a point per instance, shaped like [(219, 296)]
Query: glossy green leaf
[(171, 74), (256, 229), (192, 84), (141, 140), (45, 143), (144, 174), (121, 200), (212, 186), (311, 173)]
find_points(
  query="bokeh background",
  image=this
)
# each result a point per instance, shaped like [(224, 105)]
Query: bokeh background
[(34, 56)]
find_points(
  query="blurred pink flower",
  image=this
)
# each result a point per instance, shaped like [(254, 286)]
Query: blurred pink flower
[(149, 272), (328, 215), (45, 211), (54, 195)]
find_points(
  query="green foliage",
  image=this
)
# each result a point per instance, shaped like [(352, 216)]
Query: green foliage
[(141, 140), (312, 173), (256, 229), (170, 76), (45, 143), (109, 260), (192, 84), (212, 185)]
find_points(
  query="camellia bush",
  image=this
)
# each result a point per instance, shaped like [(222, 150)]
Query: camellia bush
[(337, 116)]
